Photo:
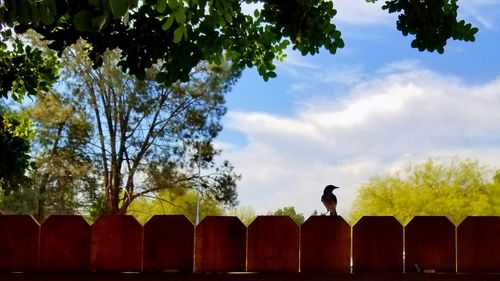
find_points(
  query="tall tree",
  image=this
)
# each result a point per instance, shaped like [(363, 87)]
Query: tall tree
[(149, 137), (62, 180), (457, 190), (64, 175), (183, 33)]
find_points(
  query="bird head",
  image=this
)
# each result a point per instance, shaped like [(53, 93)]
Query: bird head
[(329, 188)]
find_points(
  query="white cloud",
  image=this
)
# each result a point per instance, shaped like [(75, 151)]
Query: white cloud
[(483, 11), (359, 12), (401, 114), (295, 63)]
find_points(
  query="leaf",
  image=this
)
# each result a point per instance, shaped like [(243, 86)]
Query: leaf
[(47, 14), (173, 4), (98, 22), (168, 23), (47, 19), (180, 16), (179, 31), (82, 21), (161, 6), (119, 8), (340, 43), (25, 10)]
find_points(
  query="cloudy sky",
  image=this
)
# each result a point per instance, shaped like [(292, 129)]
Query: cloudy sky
[(373, 108)]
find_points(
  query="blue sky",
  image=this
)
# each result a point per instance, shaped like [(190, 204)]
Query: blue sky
[(372, 109)]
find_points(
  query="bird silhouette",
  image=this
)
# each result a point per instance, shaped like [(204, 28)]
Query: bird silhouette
[(329, 199)]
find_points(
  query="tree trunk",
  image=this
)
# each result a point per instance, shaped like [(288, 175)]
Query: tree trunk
[(41, 212), (41, 215)]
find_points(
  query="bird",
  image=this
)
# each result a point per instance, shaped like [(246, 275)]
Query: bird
[(330, 200)]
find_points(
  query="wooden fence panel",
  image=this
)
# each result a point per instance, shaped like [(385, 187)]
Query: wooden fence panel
[(65, 244), (478, 245), (325, 244), (169, 244), (19, 243), (116, 244), (377, 245), (430, 244), (273, 244), (220, 245)]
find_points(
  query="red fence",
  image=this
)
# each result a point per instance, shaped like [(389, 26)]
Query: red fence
[(269, 244)]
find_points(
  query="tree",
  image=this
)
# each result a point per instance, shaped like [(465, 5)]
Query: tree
[(15, 136), (245, 214), (148, 137), (23, 70), (456, 190), (184, 33), (494, 188), (62, 180), (64, 177), (289, 211), (174, 202)]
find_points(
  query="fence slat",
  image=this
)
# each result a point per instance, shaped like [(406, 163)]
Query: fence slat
[(220, 245), (116, 244), (377, 245), (19, 243), (479, 245), (430, 244), (65, 244), (325, 244), (273, 244), (168, 243)]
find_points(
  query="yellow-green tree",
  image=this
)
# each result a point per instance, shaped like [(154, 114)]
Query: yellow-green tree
[(245, 213), (456, 190), (174, 202)]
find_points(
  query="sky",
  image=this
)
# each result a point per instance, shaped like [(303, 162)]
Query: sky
[(372, 109)]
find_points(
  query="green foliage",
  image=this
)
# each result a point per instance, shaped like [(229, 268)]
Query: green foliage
[(289, 211), (16, 133), (174, 202), (64, 178), (245, 214), (26, 11), (184, 33), (432, 23), (25, 69), (22, 201), (456, 190)]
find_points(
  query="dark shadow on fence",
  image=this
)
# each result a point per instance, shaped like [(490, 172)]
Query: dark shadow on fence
[(270, 244)]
